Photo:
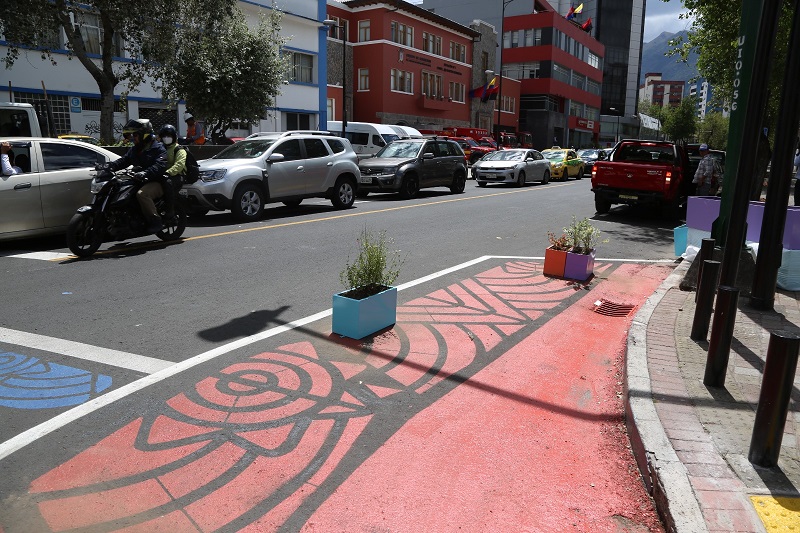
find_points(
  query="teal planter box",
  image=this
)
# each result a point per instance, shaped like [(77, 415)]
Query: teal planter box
[(579, 266), (358, 318), (681, 234)]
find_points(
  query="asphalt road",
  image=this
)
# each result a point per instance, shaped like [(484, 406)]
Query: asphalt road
[(227, 280)]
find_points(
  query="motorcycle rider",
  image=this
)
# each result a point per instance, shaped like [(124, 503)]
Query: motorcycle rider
[(176, 162), (149, 160)]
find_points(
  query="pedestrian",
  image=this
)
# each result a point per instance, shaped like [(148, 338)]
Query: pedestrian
[(706, 178), (7, 160), (195, 130)]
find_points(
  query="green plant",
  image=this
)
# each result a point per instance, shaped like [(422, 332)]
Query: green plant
[(374, 269), (582, 236), (558, 243)]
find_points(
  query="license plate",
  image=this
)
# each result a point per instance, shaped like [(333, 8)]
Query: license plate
[(628, 197), (365, 179)]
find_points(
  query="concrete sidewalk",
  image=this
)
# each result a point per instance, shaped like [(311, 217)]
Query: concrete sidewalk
[(692, 441)]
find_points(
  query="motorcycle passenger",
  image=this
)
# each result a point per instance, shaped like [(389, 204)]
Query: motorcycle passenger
[(176, 162), (149, 159)]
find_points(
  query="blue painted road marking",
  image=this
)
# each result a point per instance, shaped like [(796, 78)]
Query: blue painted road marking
[(29, 383)]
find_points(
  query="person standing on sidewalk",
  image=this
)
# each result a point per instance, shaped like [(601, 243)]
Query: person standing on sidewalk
[(706, 178)]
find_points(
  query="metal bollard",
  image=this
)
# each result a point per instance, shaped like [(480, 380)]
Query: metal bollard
[(706, 253), (705, 303), (773, 401), (719, 345)]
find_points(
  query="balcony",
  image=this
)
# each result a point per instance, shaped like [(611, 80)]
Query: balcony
[(435, 102)]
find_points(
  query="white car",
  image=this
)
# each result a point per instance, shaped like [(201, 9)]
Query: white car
[(54, 184), (517, 165)]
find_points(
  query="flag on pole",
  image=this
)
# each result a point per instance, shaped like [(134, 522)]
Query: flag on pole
[(587, 26), (578, 9), (490, 93), (571, 12)]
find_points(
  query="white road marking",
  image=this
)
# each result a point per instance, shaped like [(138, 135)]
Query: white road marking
[(79, 350), (26, 437), (43, 256)]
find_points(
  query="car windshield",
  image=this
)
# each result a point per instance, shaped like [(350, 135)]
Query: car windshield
[(554, 156), (400, 149), (247, 149), (472, 142), (587, 153), (389, 137), (504, 155)]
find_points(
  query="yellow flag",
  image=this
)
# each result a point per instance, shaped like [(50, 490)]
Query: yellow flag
[(578, 9)]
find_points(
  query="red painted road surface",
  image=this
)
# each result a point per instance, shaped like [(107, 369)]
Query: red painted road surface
[(494, 404)]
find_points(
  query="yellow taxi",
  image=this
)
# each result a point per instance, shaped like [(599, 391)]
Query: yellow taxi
[(80, 137), (564, 163)]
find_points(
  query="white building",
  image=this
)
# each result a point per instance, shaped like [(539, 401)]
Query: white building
[(75, 98)]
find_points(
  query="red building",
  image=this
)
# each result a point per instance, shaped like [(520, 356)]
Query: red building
[(661, 92), (559, 67), (407, 65)]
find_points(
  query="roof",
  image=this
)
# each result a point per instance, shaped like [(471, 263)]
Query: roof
[(415, 10)]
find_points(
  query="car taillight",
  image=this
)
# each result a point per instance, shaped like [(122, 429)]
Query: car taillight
[(668, 175)]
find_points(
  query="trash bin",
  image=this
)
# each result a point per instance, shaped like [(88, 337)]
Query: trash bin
[(680, 233)]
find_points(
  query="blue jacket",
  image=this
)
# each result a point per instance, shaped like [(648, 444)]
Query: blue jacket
[(150, 156)]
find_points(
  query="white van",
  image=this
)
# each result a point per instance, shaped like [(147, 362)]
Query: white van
[(407, 132), (18, 120), (366, 137)]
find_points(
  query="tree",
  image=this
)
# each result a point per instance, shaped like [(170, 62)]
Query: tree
[(137, 28), (233, 73), (680, 123), (713, 130)]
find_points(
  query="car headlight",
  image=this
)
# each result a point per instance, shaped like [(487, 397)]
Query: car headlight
[(213, 175), (558, 165)]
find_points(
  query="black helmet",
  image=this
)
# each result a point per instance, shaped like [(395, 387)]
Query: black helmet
[(140, 126), (168, 130)]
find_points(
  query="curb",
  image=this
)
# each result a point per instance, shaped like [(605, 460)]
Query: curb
[(664, 475)]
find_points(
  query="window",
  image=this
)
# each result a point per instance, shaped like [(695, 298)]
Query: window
[(298, 121), (336, 146), (528, 39), (458, 51), (63, 157), (432, 85), (537, 37), (93, 104), (289, 149), (560, 73), (330, 109), (333, 31), (508, 104), (578, 80), (59, 104), (302, 67), (315, 148), (363, 79), (593, 87), (431, 43), (92, 34), (402, 81), (507, 39), (402, 33), (514, 39), (363, 31), (593, 60), (457, 92)]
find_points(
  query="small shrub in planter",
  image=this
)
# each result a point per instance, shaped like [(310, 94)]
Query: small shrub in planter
[(555, 256), (369, 302), (583, 237)]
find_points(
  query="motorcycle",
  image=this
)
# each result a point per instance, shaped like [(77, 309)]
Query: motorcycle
[(114, 214)]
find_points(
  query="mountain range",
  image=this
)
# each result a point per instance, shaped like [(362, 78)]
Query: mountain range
[(654, 60)]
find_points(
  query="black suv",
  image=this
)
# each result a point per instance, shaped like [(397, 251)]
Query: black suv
[(408, 165)]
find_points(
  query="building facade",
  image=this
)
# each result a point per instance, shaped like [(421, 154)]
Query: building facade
[(75, 98), (665, 93)]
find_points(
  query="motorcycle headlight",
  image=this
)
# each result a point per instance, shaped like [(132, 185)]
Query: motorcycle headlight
[(96, 186), (212, 175)]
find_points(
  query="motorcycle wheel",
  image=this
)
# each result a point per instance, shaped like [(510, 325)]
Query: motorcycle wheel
[(174, 228), (84, 236)]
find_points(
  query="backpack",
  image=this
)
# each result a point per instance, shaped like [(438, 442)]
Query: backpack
[(192, 168)]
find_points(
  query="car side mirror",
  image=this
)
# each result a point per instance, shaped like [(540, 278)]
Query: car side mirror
[(427, 155), (601, 156), (274, 158)]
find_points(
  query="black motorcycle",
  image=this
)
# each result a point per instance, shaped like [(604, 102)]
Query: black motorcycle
[(114, 214)]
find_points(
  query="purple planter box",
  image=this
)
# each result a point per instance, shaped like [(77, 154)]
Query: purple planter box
[(703, 210), (579, 266)]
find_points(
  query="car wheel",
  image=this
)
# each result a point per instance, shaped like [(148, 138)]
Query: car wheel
[(521, 179), (344, 194), (459, 183), (292, 203), (546, 177), (601, 206), (409, 188), (580, 173), (174, 227), (84, 234), (248, 202)]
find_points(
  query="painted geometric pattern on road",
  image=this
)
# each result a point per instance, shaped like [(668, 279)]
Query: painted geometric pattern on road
[(264, 441), (29, 383)]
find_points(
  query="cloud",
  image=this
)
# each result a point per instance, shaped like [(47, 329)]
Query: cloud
[(663, 16)]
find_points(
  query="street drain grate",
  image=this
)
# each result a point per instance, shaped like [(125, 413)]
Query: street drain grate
[(604, 307)]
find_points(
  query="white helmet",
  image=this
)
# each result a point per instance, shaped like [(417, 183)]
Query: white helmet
[(187, 116)]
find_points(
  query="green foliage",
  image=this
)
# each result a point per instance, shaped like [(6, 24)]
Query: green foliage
[(229, 73), (558, 242), (582, 236), (373, 266), (652, 110), (680, 123), (713, 130)]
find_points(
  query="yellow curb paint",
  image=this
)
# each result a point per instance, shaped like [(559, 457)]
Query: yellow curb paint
[(778, 514)]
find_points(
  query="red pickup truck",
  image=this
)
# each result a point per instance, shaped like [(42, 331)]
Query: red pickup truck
[(640, 172)]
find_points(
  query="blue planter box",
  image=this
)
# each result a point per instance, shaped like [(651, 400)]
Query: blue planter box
[(358, 318), (681, 234)]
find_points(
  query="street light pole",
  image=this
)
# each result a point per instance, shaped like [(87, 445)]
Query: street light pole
[(500, 73), (341, 29)]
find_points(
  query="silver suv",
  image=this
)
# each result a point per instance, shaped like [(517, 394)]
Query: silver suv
[(276, 167)]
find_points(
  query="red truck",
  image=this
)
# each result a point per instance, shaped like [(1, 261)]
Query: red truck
[(640, 172)]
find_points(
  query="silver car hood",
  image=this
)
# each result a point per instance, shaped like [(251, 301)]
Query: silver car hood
[(384, 161), (497, 165), (216, 164)]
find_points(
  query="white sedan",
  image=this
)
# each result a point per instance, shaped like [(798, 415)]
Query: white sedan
[(518, 165), (55, 179)]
